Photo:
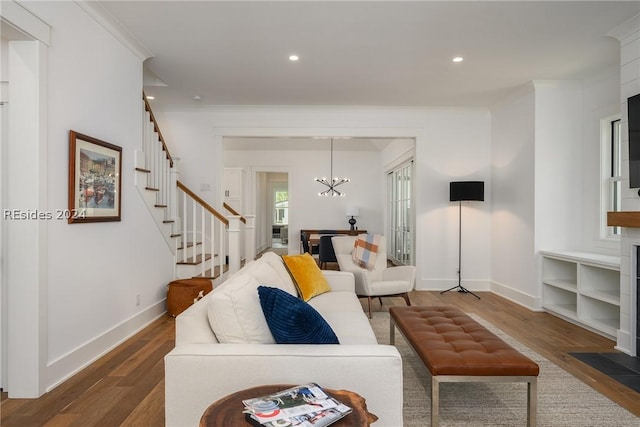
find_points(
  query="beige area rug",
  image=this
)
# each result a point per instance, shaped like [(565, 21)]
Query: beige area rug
[(563, 400)]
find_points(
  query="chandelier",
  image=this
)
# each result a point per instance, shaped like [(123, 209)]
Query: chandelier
[(335, 181)]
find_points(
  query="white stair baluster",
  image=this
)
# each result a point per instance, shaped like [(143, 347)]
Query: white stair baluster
[(194, 232), (221, 251), (250, 237), (185, 237), (234, 243), (203, 246), (212, 220)]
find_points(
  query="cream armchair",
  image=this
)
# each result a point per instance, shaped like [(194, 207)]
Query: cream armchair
[(380, 281)]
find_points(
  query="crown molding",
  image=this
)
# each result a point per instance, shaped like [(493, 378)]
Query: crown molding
[(114, 27), (25, 22), (624, 30)]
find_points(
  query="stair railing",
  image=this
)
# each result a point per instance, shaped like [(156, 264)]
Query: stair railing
[(247, 232), (203, 228), (157, 159), (191, 227)]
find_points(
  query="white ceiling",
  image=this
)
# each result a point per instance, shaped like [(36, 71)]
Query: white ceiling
[(361, 53)]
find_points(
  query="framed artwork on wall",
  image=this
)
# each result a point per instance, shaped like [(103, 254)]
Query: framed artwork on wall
[(95, 170)]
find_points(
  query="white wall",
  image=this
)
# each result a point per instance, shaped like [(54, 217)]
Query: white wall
[(93, 271), (455, 147), (307, 210), (546, 178), (513, 268), (600, 99), (201, 161), (398, 151), (558, 165), (450, 144), (4, 64)]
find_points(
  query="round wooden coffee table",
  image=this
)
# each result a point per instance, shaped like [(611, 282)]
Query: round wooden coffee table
[(228, 410)]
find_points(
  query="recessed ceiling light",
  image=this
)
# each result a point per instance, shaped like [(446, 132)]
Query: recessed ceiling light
[(458, 59), (197, 98), (151, 97), (293, 58)]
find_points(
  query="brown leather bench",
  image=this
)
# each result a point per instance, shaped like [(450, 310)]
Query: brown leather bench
[(456, 348)]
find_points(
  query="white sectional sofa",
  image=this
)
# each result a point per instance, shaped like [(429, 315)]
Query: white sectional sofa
[(201, 369)]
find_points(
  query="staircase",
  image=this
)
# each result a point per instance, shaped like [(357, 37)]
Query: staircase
[(204, 242)]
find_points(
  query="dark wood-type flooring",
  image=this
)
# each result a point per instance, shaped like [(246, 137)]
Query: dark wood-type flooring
[(126, 386)]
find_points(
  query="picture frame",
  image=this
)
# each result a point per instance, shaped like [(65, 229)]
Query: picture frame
[(95, 180)]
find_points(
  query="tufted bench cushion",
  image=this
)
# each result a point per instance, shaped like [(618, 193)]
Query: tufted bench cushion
[(456, 348), (451, 343)]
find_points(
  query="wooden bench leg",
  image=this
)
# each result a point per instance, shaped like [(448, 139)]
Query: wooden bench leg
[(532, 402), (435, 402)]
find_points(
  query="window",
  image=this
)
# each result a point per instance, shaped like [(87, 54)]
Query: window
[(281, 203), (400, 235), (611, 197)]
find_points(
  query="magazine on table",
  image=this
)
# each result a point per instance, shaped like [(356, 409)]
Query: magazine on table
[(305, 406)]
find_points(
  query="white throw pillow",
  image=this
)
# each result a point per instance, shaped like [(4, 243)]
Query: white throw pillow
[(275, 261), (235, 314), (264, 273)]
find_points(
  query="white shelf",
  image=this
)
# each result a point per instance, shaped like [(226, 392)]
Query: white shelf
[(585, 258), (583, 287), (611, 297), (568, 285)]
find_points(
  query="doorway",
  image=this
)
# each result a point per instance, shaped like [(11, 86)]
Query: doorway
[(272, 207), (401, 223), (23, 274), (4, 135)]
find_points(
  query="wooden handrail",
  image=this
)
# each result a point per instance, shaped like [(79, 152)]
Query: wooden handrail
[(234, 212), (203, 203), (157, 128)]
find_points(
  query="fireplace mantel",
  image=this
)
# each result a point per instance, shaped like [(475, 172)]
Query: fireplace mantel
[(624, 219)]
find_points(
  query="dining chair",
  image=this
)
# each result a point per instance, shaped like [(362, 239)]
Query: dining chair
[(326, 253), (306, 247)]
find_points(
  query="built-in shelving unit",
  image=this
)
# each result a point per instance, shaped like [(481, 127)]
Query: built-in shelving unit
[(584, 288)]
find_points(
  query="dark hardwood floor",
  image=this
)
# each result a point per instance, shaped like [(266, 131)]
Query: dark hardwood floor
[(126, 386)]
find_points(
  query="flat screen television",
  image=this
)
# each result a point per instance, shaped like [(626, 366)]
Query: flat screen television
[(633, 108)]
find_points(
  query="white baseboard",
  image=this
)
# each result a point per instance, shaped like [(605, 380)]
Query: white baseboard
[(443, 284), (68, 365), (528, 301), (624, 342)]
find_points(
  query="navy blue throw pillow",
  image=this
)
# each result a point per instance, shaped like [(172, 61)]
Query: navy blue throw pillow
[(293, 321)]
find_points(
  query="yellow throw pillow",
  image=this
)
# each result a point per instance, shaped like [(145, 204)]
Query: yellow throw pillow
[(306, 275)]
